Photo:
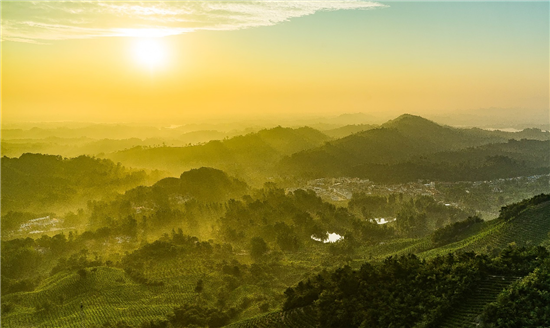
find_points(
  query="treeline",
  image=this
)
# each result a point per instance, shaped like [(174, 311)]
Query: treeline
[(287, 221), (246, 155), (493, 167), (524, 304), (415, 216), (208, 203), (400, 151), (39, 183), (455, 232), (193, 202), (404, 291), (512, 210), (26, 262), (186, 315)]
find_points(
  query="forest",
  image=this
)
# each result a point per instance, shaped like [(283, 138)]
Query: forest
[(404, 229), (274, 164)]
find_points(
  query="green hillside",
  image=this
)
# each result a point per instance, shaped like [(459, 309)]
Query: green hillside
[(107, 295), (395, 141), (526, 223), (139, 266), (411, 148), (42, 183), (468, 312), (347, 130), (528, 228), (523, 304), (242, 155), (305, 317)]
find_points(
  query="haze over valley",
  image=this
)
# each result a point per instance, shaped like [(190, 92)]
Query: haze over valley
[(275, 164)]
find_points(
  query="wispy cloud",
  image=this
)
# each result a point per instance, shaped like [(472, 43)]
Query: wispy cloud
[(46, 21)]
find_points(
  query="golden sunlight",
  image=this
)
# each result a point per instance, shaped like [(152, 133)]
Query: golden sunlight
[(150, 52)]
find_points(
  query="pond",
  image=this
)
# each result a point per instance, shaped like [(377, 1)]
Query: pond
[(332, 238), (384, 220)]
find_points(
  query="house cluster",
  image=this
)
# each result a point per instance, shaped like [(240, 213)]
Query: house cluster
[(342, 189)]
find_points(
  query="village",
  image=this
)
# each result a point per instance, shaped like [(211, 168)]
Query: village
[(341, 190)]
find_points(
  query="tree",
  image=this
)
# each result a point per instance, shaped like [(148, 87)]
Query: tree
[(258, 247), (82, 273), (199, 287)]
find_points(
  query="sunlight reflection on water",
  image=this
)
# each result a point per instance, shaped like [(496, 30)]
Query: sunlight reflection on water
[(332, 237)]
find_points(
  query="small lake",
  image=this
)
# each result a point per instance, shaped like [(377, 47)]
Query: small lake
[(332, 238), (384, 220)]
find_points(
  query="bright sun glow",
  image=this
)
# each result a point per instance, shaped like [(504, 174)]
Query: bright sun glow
[(150, 53)]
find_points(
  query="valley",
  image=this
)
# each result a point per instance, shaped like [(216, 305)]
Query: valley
[(232, 238)]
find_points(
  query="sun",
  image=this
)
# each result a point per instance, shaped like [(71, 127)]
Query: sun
[(150, 53)]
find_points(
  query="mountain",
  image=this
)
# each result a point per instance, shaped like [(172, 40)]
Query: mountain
[(254, 152), (42, 183), (394, 142), (352, 118), (487, 162), (437, 136), (205, 184), (194, 201), (347, 130)]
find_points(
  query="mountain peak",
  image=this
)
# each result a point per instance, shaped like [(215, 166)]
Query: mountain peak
[(409, 120)]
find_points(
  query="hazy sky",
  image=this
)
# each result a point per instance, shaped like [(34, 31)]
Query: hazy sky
[(132, 61)]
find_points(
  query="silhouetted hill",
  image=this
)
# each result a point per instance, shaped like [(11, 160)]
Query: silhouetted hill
[(352, 118), (347, 130), (238, 155), (440, 137), (394, 143), (209, 184), (204, 184), (487, 162), (36, 182), (529, 133)]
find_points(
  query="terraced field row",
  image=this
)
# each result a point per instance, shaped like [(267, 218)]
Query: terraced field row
[(387, 248), (296, 318), (106, 294), (467, 313), (531, 227), (170, 268)]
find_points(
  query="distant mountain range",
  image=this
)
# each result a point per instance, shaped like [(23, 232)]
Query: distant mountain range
[(403, 149), (413, 141), (251, 153)]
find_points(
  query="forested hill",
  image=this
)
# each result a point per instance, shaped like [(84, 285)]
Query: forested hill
[(416, 126), (253, 152), (203, 184), (494, 161), (466, 285), (347, 130), (439, 137), (403, 150), (408, 292), (41, 183), (194, 199)]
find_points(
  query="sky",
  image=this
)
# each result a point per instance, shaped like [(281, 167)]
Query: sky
[(182, 60)]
